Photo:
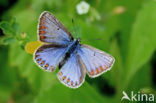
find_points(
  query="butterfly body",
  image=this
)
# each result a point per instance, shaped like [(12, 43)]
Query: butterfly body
[(74, 46), (61, 50), (72, 49)]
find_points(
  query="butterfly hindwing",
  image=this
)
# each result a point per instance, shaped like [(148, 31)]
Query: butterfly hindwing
[(50, 30), (95, 61), (72, 73), (48, 56)]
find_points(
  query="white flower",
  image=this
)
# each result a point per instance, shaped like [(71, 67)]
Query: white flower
[(82, 7)]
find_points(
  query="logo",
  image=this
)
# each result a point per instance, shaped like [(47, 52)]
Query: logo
[(137, 96)]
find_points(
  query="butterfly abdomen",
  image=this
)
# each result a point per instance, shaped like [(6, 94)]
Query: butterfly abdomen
[(71, 49)]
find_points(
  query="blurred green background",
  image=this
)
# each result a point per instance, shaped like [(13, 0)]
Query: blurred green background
[(127, 29)]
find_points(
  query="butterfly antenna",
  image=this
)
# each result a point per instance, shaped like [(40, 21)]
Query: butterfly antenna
[(74, 30), (88, 40)]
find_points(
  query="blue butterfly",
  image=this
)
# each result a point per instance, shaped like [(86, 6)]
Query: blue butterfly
[(63, 51)]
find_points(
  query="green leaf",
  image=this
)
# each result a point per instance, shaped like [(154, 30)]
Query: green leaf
[(15, 28), (6, 27), (142, 42), (126, 23), (8, 40), (10, 27)]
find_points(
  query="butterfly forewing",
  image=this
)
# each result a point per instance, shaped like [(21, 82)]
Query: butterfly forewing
[(72, 74), (95, 61), (48, 56), (52, 31)]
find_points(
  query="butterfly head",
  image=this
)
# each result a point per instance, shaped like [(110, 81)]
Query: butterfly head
[(78, 40)]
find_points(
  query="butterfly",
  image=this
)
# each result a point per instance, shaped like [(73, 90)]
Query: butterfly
[(61, 50)]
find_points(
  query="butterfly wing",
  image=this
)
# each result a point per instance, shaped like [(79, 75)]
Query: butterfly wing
[(72, 73), (95, 61), (48, 56), (50, 30)]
